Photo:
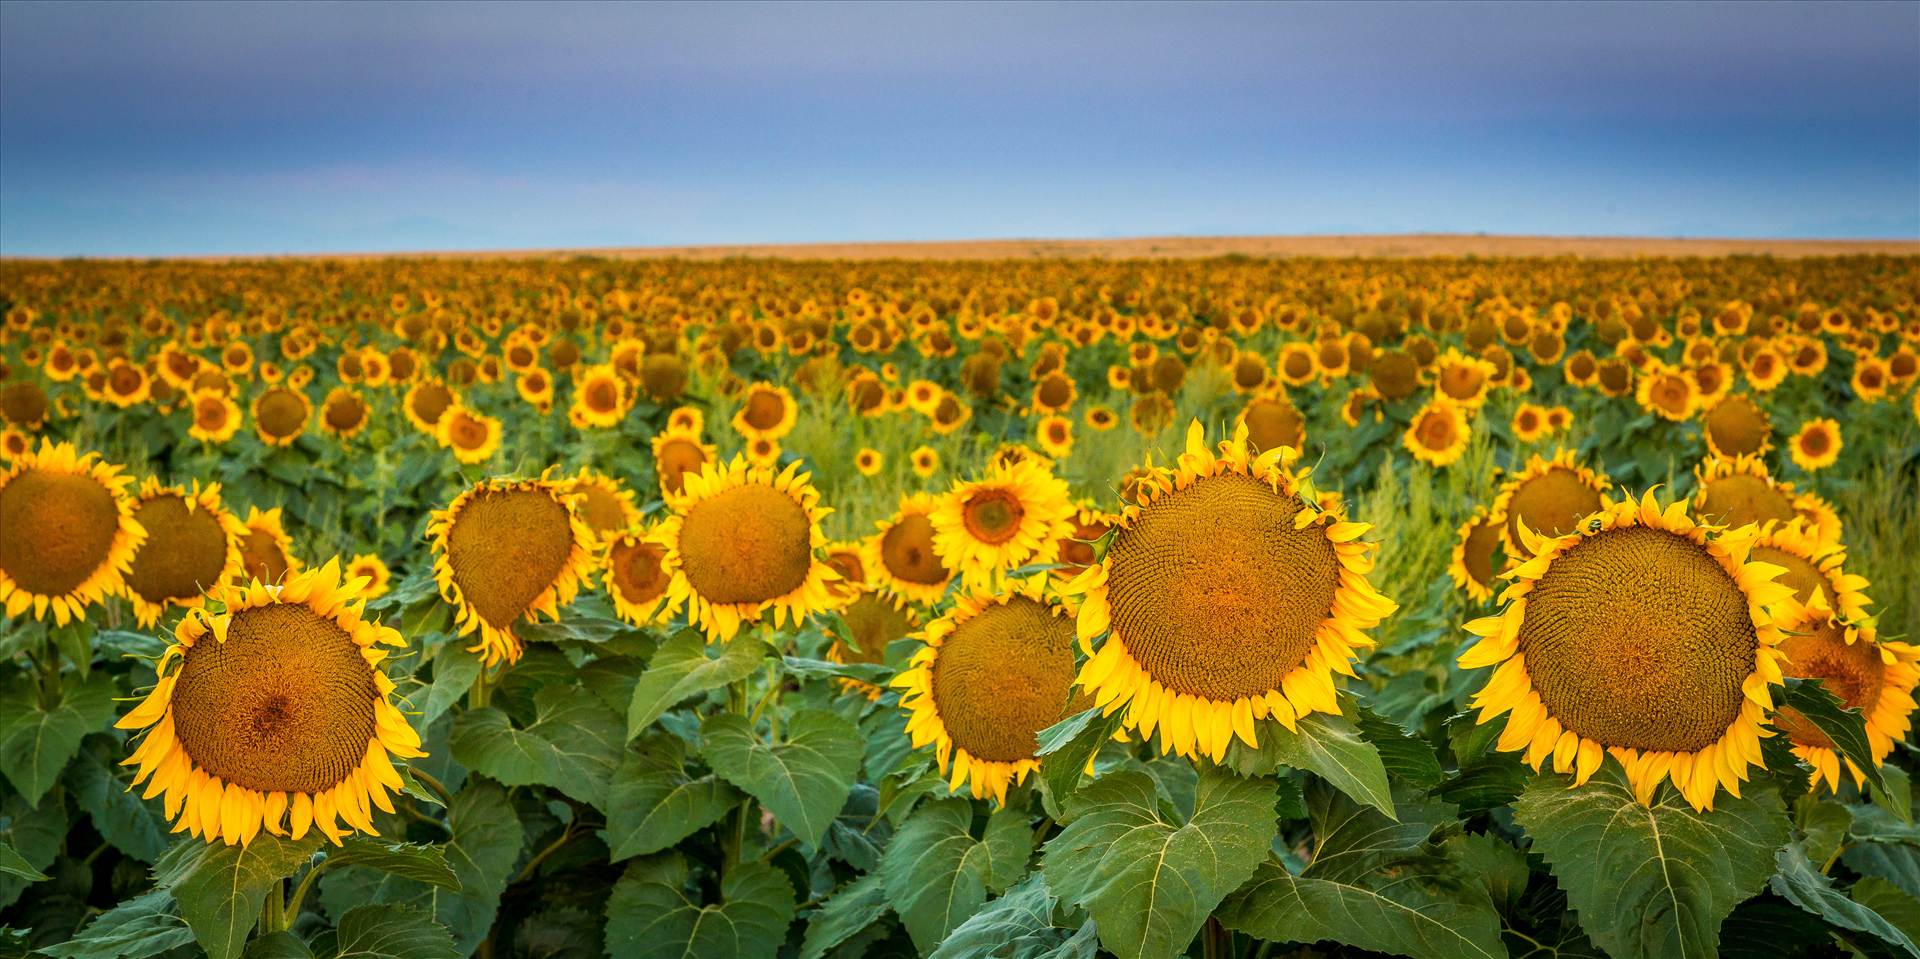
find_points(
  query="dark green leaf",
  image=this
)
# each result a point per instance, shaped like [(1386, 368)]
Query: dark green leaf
[(1893, 905), (277, 945), (14, 864), (415, 861), (36, 742), (686, 665), (99, 786), (220, 888), (393, 932), (937, 874), (654, 804), (1407, 757), (1330, 747), (852, 908), (1847, 728), (1149, 880), (454, 670), (875, 673), (803, 779), (1018, 925), (1800, 882), (135, 929), (572, 745), (651, 916), (1068, 745), (34, 833)]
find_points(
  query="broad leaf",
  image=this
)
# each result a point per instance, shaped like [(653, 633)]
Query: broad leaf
[(1802, 884), (1893, 905), (14, 864), (1653, 881), (852, 908), (803, 779), (277, 945), (415, 861), (100, 786), (135, 929), (1018, 925), (572, 745), (36, 742), (650, 915), (35, 834), (1149, 879), (686, 665), (1846, 728), (454, 670), (1330, 747), (1408, 758), (393, 932), (937, 874), (1068, 745), (221, 888), (654, 804)]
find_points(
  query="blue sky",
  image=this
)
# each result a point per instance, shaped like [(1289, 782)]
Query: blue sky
[(155, 128)]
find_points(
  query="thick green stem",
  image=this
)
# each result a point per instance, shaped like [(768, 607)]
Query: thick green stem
[(274, 917)]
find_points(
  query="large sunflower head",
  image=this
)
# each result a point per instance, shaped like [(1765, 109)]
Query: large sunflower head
[(742, 542), (994, 671), (901, 556), (266, 553), (1229, 593), (506, 551), (1739, 491), (274, 714), (1549, 497), (1641, 636), (70, 532), (634, 578), (192, 545), (602, 502), (678, 454), (1012, 516), (1864, 673)]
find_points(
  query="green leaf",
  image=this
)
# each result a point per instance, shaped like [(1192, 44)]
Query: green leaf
[(803, 668), (654, 804), (572, 745), (277, 945), (803, 780), (415, 861), (1148, 879), (100, 786), (135, 929), (393, 932), (14, 864), (1847, 728), (1407, 757), (1897, 863), (1068, 745), (1893, 905), (650, 915), (34, 833), (1652, 881), (1018, 924), (75, 642), (682, 667), (454, 670), (220, 888), (1330, 747), (1801, 883), (852, 908), (35, 742), (1384, 885), (937, 874)]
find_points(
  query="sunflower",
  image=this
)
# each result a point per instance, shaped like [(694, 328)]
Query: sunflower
[(370, 567), (925, 460), (1463, 380), (741, 543), (1667, 393), (535, 387), (278, 717), (14, 444), (602, 502), (192, 546), (1077, 549), (216, 417), (1737, 426), (70, 532), (472, 436), (266, 551), (1055, 436), (677, 454), (868, 461), (873, 620), (1643, 637), (1473, 565), (1101, 419), (1439, 433), (280, 415), (1816, 446), (766, 412), (506, 551), (1876, 677), (1226, 595), (1296, 364), (1813, 567), (1734, 492), (849, 559), (1012, 516), (23, 404), (126, 384), (901, 556), (344, 413), (1273, 422), (1054, 392), (634, 578), (687, 419), (600, 397), (427, 400), (992, 673), (1548, 497)]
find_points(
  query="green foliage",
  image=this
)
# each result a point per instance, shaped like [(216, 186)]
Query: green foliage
[(220, 888), (802, 778), (652, 913), (573, 745), (937, 874)]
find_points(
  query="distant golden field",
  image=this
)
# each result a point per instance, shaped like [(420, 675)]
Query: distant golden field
[(1357, 595)]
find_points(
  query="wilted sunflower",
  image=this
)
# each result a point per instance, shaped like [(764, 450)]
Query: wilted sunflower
[(280, 415), (472, 436), (602, 502), (766, 412), (266, 551), (1226, 595), (427, 400), (1549, 496), (278, 717), (1643, 637), (994, 671), (1816, 446), (373, 569), (600, 397), (1734, 492), (216, 417), (1876, 677), (901, 556), (344, 413), (506, 551), (873, 620), (677, 454), (1012, 516), (1439, 433), (67, 532), (742, 543), (634, 578), (192, 546), (1472, 567)]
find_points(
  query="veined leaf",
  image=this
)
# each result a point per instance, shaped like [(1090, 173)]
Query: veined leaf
[(572, 745), (1019, 925), (100, 786), (135, 929), (852, 908), (1330, 747), (393, 932), (14, 864), (653, 803), (1407, 758), (649, 915), (221, 888), (37, 742), (937, 874), (803, 779), (1847, 728), (1068, 745), (1801, 883), (682, 667), (415, 861)]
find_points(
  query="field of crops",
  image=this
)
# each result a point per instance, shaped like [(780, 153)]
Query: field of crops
[(1447, 608)]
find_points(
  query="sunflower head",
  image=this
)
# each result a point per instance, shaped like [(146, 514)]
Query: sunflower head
[(1876, 677), (742, 542), (373, 569), (1439, 433), (1476, 551), (1816, 446), (901, 556), (602, 502), (266, 554), (1012, 516), (193, 544), (426, 401), (280, 415), (873, 620), (1739, 491), (677, 454), (70, 532), (472, 436), (766, 412), (506, 551), (1642, 636), (344, 413), (1273, 422), (274, 714), (634, 578), (1549, 497)]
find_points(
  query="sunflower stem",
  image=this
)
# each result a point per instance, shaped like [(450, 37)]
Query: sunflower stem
[(299, 896), (437, 787), (274, 919)]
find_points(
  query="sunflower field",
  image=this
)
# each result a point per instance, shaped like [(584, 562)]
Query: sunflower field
[(576, 607)]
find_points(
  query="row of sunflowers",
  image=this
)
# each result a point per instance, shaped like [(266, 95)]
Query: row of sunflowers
[(1043, 608)]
